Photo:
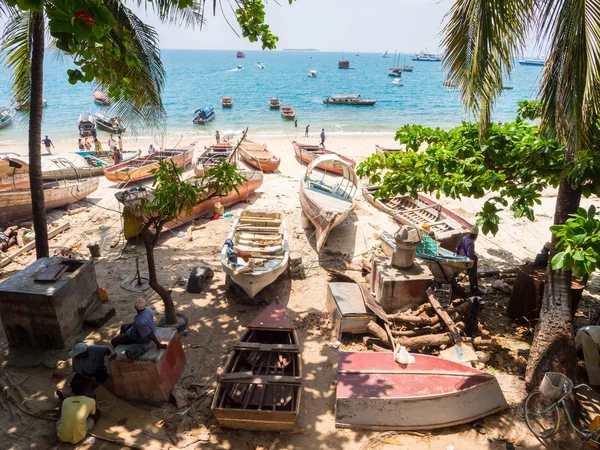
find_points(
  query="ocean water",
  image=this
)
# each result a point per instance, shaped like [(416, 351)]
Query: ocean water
[(198, 77)]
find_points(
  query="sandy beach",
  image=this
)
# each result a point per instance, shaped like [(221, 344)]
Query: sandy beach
[(216, 317)]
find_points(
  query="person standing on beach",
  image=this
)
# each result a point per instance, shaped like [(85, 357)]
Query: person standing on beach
[(111, 141), (306, 131), (87, 144), (296, 123), (323, 137), (47, 143), (120, 143), (94, 134), (80, 144), (218, 137)]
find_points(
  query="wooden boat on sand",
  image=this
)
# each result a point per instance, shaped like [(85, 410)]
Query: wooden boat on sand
[(448, 226), (308, 153), (383, 150), (212, 156), (374, 392), (14, 173), (288, 113), (16, 204), (326, 203), (258, 156), (139, 168), (260, 240), (261, 384), (133, 219)]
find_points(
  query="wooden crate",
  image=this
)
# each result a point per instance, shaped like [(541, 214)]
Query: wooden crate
[(347, 309)]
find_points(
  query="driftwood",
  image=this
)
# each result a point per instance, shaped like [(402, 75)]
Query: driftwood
[(436, 340), (72, 212), (191, 228), (378, 332), (442, 314), (497, 273), (418, 331)]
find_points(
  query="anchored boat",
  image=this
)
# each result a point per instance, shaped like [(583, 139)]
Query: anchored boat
[(256, 251), (5, 117), (100, 98), (288, 113), (348, 99), (85, 124), (204, 115), (448, 226), (226, 102), (258, 156), (308, 153), (327, 202), (261, 383), (312, 74), (274, 103)]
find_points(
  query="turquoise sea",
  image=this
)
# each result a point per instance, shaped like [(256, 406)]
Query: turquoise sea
[(197, 77)]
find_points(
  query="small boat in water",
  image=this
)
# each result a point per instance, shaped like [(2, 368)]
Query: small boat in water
[(260, 242), (274, 103), (449, 84), (407, 68), (133, 218), (261, 384), (16, 204), (397, 82), (375, 392), (260, 65), (448, 226), (343, 64), (5, 117), (226, 102), (308, 153), (383, 150), (288, 113), (312, 74), (109, 123), (86, 124), (357, 54), (385, 54), (327, 202), (240, 67), (25, 106), (204, 115), (100, 98), (348, 99), (240, 55), (532, 61), (140, 168), (258, 156), (212, 157)]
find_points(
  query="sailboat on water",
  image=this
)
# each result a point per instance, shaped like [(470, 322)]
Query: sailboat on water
[(385, 54), (357, 54), (395, 71), (343, 63)]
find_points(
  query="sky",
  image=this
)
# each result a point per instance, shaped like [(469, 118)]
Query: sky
[(408, 26)]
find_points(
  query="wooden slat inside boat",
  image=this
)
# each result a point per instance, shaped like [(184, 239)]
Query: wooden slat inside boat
[(261, 384), (308, 153)]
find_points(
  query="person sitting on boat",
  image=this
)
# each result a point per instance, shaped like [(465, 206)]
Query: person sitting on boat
[(466, 247), (151, 150), (141, 330), (80, 144)]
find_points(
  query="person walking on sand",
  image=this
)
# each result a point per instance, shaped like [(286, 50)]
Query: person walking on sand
[(120, 143), (47, 143), (218, 137), (111, 141), (323, 137), (306, 131)]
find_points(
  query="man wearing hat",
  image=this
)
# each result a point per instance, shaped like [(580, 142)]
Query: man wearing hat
[(141, 330), (88, 362), (466, 247)]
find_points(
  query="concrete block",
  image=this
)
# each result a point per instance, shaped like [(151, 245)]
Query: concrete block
[(99, 316), (43, 314), (395, 288), (153, 375)]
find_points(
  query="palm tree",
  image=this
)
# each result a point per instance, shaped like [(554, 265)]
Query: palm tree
[(482, 40)]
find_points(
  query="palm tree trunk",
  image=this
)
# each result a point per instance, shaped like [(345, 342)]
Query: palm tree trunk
[(165, 294), (553, 348), (35, 136)]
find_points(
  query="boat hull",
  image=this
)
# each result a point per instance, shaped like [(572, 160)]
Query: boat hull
[(383, 150), (374, 392), (261, 160), (308, 153), (15, 181), (16, 205), (210, 118), (127, 171)]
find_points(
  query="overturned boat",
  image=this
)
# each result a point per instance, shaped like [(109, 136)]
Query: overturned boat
[(256, 251), (327, 202), (261, 383), (308, 153)]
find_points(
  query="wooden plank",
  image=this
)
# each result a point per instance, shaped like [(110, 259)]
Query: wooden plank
[(291, 348), (263, 379), (447, 373), (441, 312), (31, 245), (236, 376)]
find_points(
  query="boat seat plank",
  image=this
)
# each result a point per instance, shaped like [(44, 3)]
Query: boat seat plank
[(328, 202), (257, 346), (260, 379)]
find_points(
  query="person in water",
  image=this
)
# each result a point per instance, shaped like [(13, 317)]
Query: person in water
[(306, 131)]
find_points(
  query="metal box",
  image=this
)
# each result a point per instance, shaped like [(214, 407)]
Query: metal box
[(347, 309)]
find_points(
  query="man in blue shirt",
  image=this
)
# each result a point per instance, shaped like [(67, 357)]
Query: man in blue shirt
[(323, 137), (88, 362), (466, 247), (141, 330)]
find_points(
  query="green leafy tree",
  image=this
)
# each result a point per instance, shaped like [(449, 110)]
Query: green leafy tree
[(171, 197), (112, 48)]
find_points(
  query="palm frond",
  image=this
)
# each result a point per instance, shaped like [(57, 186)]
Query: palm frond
[(481, 42), (570, 87), (16, 45), (169, 12)]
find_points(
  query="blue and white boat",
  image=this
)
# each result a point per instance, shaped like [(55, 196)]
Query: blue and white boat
[(5, 117), (204, 115), (532, 61)]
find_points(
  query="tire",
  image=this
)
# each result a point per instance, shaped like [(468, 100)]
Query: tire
[(543, 425)]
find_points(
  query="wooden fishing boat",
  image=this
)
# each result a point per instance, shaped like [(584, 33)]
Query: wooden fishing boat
[(5, 117), (16, 204), (133, 219), (14, 173), (100, 98), (227, 102), (86, 124), (326, 203), (444, 264), (448, 226), (109, 123), (262, 237), (374, 392), (258, 156), (139, 168), (274, 103), (288, 113), (383, 150), (105, 159), (211, 157), (261, 384), (308, 153)]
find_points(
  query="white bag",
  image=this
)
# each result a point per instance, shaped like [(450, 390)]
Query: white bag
[(401, 355)]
